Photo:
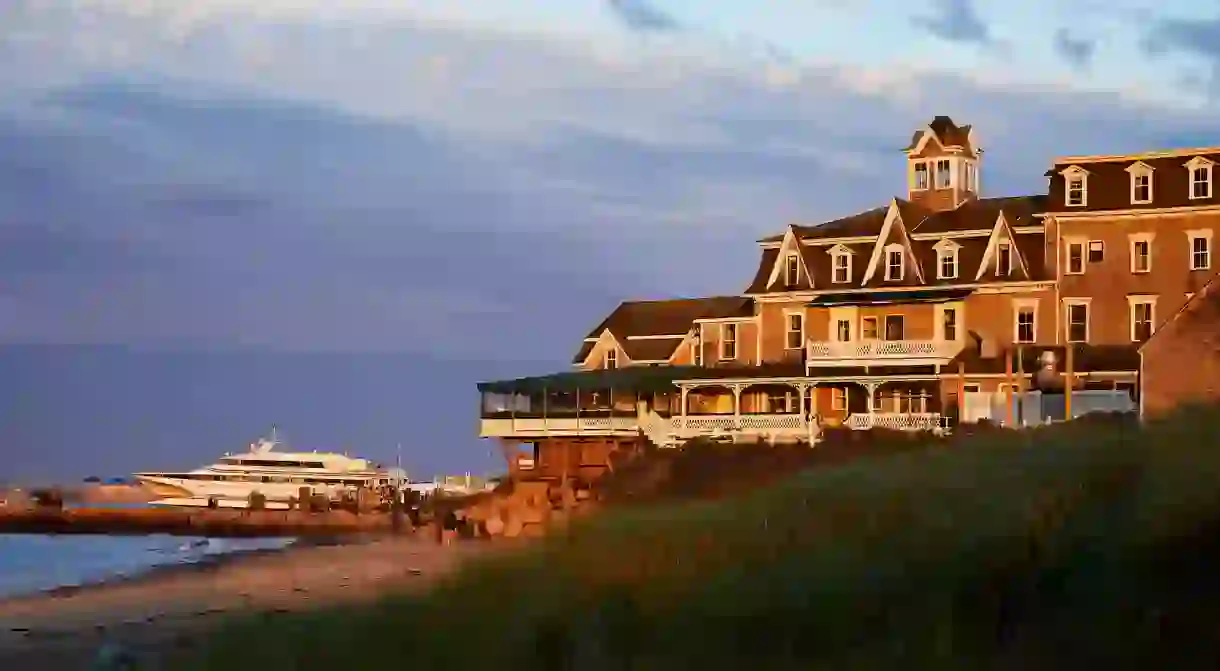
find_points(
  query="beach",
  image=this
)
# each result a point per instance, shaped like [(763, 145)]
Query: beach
[(168, 612)]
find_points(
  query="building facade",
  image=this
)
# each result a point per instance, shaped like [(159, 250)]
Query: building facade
[(904, 315)]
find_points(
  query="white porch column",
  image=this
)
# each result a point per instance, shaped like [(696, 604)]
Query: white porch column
[(871, 388), (736, 389), (682, 407)]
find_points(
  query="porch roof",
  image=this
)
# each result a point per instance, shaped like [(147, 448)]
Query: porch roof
[(630, 378), (890, 297)]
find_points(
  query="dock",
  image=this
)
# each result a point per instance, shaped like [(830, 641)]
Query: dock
[(190, 522)]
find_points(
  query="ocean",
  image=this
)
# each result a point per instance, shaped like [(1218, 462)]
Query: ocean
[(31, 564)]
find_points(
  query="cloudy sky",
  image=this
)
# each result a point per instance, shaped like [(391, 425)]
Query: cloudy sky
[(460, 181)]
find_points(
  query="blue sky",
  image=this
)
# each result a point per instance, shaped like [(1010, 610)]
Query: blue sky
[(449, 182)]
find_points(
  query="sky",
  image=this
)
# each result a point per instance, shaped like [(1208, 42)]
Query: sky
[(428, 190)]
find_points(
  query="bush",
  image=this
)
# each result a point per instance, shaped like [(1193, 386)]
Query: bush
[(1089, 544)]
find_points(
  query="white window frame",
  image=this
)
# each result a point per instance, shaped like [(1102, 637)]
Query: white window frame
[(1138, 171), (1132, 302), (838, 399), (792, 269), (1205, 235), (1070, 175), (835, 267), (1019, 307), (1134, 241), (956, 310), (1068, 304), (1199, 163), (924, 168), (788, 330), (726, 342), (610, 359), (944, 166), (1067, 256), (947, 250), (890, 250)]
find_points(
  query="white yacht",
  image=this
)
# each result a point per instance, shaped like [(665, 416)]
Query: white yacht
[(276, 475)]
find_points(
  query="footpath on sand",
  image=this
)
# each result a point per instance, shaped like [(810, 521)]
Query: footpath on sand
[(172, 611)]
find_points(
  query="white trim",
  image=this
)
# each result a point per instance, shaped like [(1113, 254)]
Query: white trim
[(789, 313), (950, 182), (607, 338), (1132, 240), (1018, 305), (1141, 299), (658, 337), (1167, 153), (981, 287), (913, 185), (914, 234), (1083, 244), (891, 216), (1067, 318), (1183, 211), (724, 328), (1069, 175), (790, 245), (1199, 234), (990, 257), (837, 252), (1136, 171), (608, 356), (724, 320), (947, 249), (927, 134), (1199, 163), (892, 275)]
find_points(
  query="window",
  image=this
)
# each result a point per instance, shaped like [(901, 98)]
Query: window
[(946, 268), (1141, 255), (1078, 322), (1097, 251), (781, 402), (949, 324), (1141, 320), (838, 398), (1200, 250), (1200, 177), (1003, 260), (971, 176), (842, 268), (921, 177), (1075, 189), (1075, 258), (696, 352), (611, 358), (792, 270), (944, 174), (893, 265), (728, 341), (796, 331), (843, 330), (1027, 325), (893, 327), (1141, 183), (868, 328)]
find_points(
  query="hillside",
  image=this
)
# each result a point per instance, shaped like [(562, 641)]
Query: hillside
[(1085, 545)]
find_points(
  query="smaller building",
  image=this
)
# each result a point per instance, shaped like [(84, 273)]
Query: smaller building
[(1181, 362)]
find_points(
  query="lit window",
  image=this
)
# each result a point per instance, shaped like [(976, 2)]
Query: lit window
[(796, 331)]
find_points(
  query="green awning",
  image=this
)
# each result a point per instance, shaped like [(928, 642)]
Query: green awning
[(646, 379)]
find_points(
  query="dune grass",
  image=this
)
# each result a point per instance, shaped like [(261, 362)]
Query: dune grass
[(1085, 545)]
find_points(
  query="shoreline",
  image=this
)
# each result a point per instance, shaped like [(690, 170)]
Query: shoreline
[(168, 609)]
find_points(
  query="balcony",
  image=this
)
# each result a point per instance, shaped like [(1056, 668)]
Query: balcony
[(881, 352)]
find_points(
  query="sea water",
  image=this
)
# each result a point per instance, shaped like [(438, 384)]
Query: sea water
[(32, 563)]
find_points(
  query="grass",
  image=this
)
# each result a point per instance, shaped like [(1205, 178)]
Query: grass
[(1086, 545)]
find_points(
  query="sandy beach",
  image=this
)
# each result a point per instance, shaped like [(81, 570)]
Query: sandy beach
[(171, 611)]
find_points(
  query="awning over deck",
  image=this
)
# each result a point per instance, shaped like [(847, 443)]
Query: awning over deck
[(890, 297)]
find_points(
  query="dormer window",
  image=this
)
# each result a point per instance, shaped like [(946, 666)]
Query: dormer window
[(840, 264), (920, 181), (611, 359), (944, 173), (1200, 177), (946, 259), (1075, 181), (1003, 260), (1141, 183), (894, 263), (792, 270)]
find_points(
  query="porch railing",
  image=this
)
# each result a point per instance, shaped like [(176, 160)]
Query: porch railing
[(824, 351), (898, 421), (556, 425)]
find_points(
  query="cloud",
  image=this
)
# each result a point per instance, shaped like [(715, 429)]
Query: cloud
[(1078, 52), (956, 21), (344, 197), (1195, 38), (642, 15)]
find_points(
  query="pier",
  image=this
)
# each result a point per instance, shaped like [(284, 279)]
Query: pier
[(190, 522)]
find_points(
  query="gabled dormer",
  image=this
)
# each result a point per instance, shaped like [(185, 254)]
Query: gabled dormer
[(893, 260), (1002, 260), (791, 272), (1075, 186), (1200, 178), (1141, 183), (841, 270), (943, 165), (948, 259)]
